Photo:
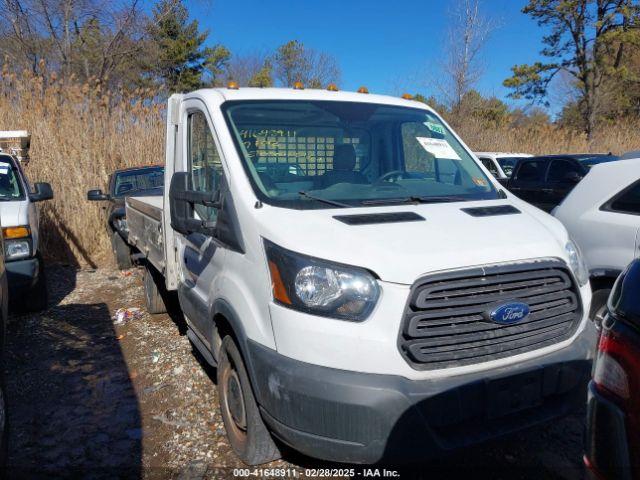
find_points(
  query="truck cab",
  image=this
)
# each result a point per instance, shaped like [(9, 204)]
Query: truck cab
[(366, 288), (144, 181), (20, 226)]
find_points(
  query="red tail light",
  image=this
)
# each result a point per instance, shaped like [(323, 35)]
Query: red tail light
[(617, 375), (615, 366)]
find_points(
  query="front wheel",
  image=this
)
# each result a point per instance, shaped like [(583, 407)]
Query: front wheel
[(245, 428), (4, 429), (152, 291), (36, 298), (121, 251)]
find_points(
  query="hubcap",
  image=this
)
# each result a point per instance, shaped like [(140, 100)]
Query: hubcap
[(235, 401)]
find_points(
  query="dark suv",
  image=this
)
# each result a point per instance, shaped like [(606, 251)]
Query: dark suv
[(129, 182), (546, 180), (613, 419)]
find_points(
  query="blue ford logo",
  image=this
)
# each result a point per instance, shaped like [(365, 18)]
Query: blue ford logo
[(508, 313)]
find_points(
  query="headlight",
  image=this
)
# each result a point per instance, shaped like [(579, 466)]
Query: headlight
[(320, 287), (121, 224), (17, 249), (17, 242), (577, 263)]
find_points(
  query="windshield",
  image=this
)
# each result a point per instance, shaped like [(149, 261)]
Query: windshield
[(10, 186), (508, 163), (323, 154), (131, 182)]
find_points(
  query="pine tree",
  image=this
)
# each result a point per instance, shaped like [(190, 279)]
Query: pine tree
[(181, 60)]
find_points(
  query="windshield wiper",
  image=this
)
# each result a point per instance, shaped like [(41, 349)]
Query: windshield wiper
[(414, 199), (323, 200)]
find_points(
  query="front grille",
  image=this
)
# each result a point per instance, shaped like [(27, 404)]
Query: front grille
[(446, 322)]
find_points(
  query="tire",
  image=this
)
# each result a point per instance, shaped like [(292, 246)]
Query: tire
[(599, 306), (245, 428), (38, 297), (121, 252), (152, 292), (4, 427)]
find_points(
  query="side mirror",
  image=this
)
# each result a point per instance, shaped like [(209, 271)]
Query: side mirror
[(573, 177), (624, 301), (97, 195), (182, 199), (41, 191)]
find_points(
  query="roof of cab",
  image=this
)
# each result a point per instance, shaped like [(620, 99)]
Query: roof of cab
[(220, 95)]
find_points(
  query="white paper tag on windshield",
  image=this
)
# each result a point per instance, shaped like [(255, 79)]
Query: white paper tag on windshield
[(438, 148), (4, 168)]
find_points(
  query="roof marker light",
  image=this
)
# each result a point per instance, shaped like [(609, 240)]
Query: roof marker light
[(298, 86), (407, 96), (363, 89), (332, 87), (232, 85)]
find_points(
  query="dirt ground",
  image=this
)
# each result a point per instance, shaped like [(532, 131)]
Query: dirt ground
[(92, 397)]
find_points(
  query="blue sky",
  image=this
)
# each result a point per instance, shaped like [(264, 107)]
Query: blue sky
[(389, 46)]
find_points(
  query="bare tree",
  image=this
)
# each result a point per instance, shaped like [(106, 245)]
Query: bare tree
[(248, 69), (294, 62), (467, 36), (82, 37)]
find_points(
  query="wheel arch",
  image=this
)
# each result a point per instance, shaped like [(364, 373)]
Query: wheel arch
[(227, 322)]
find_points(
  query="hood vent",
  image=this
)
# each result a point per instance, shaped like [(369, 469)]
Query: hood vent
[(376, 218), (491, 211)]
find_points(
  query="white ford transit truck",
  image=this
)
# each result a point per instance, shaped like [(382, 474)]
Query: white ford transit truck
[(366, 289)]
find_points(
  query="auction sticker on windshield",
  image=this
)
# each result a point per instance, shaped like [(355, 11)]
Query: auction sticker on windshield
[(438, 148), (434, 127), (4, 168)]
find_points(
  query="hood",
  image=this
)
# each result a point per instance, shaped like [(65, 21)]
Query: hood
[(448, 238), (13, 213)]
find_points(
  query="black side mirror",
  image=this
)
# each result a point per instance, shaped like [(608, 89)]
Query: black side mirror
[(624, 302), (97, 195), (182, 199), (41, 191), (573, 177)]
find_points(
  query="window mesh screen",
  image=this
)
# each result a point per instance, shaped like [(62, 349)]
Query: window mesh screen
[(313, 154)]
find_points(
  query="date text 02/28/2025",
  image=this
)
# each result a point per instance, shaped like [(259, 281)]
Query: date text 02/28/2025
[(315, 473)]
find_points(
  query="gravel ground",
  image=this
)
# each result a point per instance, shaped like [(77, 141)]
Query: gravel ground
[(92, 397)]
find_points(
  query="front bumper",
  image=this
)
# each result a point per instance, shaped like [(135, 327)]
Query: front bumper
[(356, 417), (22, 274)]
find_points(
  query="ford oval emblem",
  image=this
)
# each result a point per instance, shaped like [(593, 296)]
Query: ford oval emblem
[(508, 313)]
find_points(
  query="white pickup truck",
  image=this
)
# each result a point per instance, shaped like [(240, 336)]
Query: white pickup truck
[(366, 289), (20, 227)]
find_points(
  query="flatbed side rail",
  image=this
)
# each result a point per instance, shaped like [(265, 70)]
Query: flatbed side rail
[(144, 221)]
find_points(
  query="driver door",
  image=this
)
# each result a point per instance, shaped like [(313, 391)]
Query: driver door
[(201, 256)]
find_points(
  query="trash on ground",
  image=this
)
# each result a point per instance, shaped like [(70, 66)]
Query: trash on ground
[(124, 315)]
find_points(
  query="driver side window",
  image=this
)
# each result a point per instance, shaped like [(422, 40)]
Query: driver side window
[(205, 166)]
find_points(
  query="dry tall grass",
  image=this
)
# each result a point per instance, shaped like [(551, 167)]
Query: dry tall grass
[(81, 134), (546, 139)]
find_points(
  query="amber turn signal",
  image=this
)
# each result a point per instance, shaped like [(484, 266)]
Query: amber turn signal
[(279, 290), (15, 232)]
